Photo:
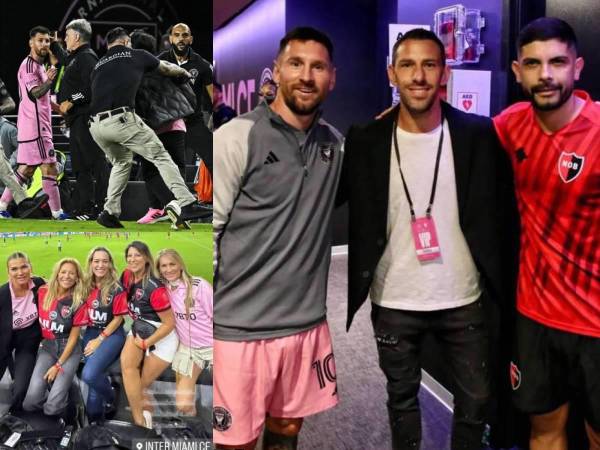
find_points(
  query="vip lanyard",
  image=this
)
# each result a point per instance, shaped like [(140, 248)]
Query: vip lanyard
[(435, 174)]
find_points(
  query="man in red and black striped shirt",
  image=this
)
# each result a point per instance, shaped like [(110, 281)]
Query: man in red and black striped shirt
[(554, 145)]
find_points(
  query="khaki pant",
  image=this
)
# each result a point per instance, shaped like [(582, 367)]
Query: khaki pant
[(122, 135), (7, 176)]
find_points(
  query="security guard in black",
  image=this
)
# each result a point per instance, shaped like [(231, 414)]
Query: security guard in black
[(117, 76)]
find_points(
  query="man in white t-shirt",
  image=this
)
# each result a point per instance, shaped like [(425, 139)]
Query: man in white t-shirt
[(425, 188)]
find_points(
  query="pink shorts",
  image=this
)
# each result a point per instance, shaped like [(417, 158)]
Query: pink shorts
[(288, 377), (34, 153)]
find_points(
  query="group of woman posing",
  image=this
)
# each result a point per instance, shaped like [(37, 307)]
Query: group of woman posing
[(171, 315)]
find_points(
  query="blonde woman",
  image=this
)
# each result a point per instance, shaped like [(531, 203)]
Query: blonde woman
[(61, 313), (152, 342), (192, 302), (104, 337)]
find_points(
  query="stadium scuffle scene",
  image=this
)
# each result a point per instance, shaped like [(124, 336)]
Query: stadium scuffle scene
[(106, 225)]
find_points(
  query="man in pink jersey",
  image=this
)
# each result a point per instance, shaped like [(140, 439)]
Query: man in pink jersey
[(34, 122), (554, 145)]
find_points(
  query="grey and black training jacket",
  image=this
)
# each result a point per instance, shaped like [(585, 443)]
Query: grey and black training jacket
[(274, 191)]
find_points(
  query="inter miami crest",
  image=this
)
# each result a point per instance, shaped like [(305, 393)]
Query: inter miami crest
[(570, 166), (515, 376), (221, 418), (327, 150)]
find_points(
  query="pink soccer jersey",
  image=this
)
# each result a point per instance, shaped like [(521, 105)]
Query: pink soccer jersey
[(195, 330), (34, 119), (24, 309)]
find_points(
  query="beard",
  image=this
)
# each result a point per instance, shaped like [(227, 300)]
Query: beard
[(298, 107), (565, 94), (41, 53), (179, 52)]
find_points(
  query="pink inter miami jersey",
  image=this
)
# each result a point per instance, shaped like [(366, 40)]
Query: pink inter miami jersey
[(196, 329), (34, 119), (557, 178)]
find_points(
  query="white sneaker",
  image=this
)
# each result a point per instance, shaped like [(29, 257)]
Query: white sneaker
[(147, 418), (173, 210)]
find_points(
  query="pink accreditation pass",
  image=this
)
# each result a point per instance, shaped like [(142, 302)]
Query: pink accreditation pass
[(425, 239)]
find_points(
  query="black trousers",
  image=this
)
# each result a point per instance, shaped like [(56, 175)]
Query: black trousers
[(25, 345), (199, 142), (89, 164), (462, 335), (158, 192)]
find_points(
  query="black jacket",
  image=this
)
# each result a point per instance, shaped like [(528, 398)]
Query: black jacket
[(201, 72), (486, 202), (75, 84), (160, 100), (6, 326)]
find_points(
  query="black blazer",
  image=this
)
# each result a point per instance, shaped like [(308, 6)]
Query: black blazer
[(485, 191), (6, 326)]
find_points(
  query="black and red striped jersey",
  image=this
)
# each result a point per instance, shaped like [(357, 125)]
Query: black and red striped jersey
[(145, 301), (557, 179), (58, 320)]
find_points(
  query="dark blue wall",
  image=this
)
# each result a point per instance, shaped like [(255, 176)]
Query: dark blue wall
[(495, 57), (351, 27), (244, 48)]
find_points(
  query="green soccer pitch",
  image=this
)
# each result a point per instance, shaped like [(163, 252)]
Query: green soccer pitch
[(48, 241)]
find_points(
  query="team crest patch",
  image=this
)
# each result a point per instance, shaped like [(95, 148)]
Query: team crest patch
[(221, 419), (95, 304), (515, 376), (327, 150), (65, 312), (570, 166), (53, 315)]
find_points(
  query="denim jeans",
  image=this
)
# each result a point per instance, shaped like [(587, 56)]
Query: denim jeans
[(94, 372), (463, 336), (38, 398)]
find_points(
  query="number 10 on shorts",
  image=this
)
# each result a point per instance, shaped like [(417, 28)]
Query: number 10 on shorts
[(325, 370)]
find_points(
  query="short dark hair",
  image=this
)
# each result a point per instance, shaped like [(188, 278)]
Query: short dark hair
[(143, 40), (306, 34), (218, 86), (116, 34), (420, 34), (545, 29), (39, 29)]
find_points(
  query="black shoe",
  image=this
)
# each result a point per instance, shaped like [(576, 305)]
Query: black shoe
[(195, 211), (108, 220), (85, 216), (181, 225), (29, 205)]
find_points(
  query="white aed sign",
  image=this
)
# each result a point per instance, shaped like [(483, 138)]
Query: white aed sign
[(469, 90), (396, 30)]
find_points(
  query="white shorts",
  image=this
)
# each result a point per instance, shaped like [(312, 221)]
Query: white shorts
[(186, 357), (166, 348)]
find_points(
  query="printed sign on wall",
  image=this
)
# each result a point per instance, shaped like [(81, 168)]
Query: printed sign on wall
[(469, 91)]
